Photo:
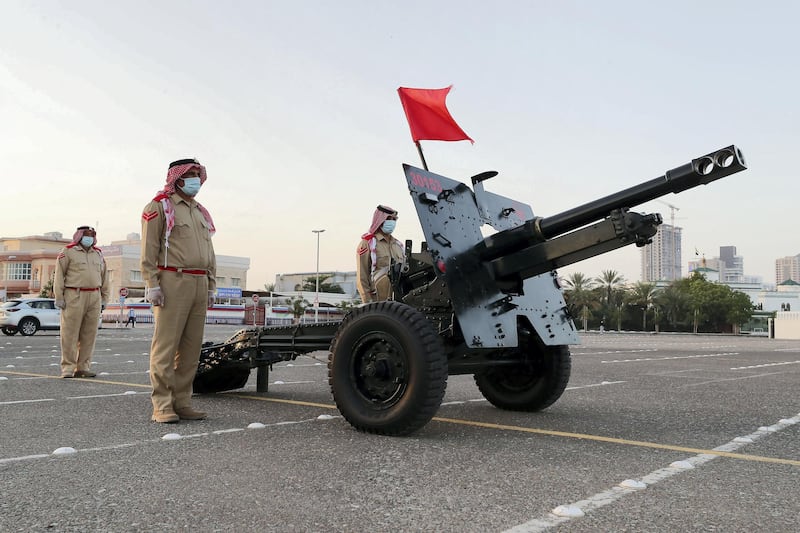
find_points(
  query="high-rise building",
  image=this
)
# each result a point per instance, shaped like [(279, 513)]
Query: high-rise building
[(732, 270), (661, 259), (787, 268)]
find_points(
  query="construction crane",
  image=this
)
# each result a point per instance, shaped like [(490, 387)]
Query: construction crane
[(672, 210)]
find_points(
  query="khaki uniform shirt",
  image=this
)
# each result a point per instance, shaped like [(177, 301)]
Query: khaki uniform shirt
[(189, 242), (79, 268), (388, 250)]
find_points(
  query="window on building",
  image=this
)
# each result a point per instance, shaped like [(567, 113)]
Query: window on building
[(221, 281), (236, 282), (18, 271), (136, 275)]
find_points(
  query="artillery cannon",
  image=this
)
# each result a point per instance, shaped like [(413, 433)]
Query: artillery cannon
[(464, 304)]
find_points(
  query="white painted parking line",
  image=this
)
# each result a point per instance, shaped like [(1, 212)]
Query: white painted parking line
[(126, 393), (616, 351), (28, 401), (728, 379), (698, 356), (179, 437), (24, 458), (764, 365), (29, 378), (601, 384), (565, 513)]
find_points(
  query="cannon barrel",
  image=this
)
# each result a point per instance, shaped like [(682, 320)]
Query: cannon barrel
[(699, 171)]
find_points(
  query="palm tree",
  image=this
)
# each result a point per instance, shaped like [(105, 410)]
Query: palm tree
[(579, 296), (297, 306), (611, 284), (643, 294), (675, 303), (611, 281), (310, 284)]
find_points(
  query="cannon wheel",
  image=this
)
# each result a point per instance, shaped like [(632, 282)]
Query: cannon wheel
[(534, 384), (387, 369)]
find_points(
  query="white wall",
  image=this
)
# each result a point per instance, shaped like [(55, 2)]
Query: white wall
[(787, 325)]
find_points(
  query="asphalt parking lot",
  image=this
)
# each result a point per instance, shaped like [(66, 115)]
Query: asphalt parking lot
[(655, 433)]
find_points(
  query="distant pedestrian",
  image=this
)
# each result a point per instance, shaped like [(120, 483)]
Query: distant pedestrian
[(131, 318), (81, 290), (179, 269), (375, 255)]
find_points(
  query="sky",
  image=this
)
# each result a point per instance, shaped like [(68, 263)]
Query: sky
[(293, 109)]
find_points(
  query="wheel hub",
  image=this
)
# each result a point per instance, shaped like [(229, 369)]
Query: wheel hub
[(379, 369)]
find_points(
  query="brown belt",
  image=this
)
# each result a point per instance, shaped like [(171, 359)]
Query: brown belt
[(192, 271), (83, 288)]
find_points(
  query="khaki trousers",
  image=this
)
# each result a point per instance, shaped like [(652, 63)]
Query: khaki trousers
[(383, 288), (78, 329), (177, 339)]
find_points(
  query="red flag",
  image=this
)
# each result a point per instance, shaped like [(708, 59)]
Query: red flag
[(428, 116)]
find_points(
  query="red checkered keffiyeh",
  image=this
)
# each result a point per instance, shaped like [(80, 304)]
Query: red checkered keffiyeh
[(173, 175), (76, 239), (78, 235), (380, 215)]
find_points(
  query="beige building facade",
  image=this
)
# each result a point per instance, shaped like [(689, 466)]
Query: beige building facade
[(124, 268), (28, 263), (787, 268)]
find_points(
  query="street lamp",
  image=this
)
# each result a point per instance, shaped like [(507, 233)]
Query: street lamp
[(316, 299)]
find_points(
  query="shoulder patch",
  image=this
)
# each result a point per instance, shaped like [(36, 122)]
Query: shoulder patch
[(148, 216), (61, 255), (362, 250)]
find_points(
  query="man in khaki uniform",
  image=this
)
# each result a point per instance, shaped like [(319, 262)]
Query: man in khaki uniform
[(179, 271), (375, 255), (80, 287)]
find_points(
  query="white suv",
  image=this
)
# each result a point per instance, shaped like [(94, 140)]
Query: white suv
[(29, 315)]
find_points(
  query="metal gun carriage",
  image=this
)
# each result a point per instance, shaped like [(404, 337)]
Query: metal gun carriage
[(463, 304)]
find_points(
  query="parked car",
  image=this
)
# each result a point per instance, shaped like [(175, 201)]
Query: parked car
[(29, 315)]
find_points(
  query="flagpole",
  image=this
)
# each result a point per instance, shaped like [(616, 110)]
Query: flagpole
[(421, 155)]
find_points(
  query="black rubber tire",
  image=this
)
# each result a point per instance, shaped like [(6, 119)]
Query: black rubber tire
[(531, 385), (387, 369), (28, 326), (7, 330)]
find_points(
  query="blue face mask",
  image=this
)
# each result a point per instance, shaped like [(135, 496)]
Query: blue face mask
[(87, 241), (388, 226), (191, 186)]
